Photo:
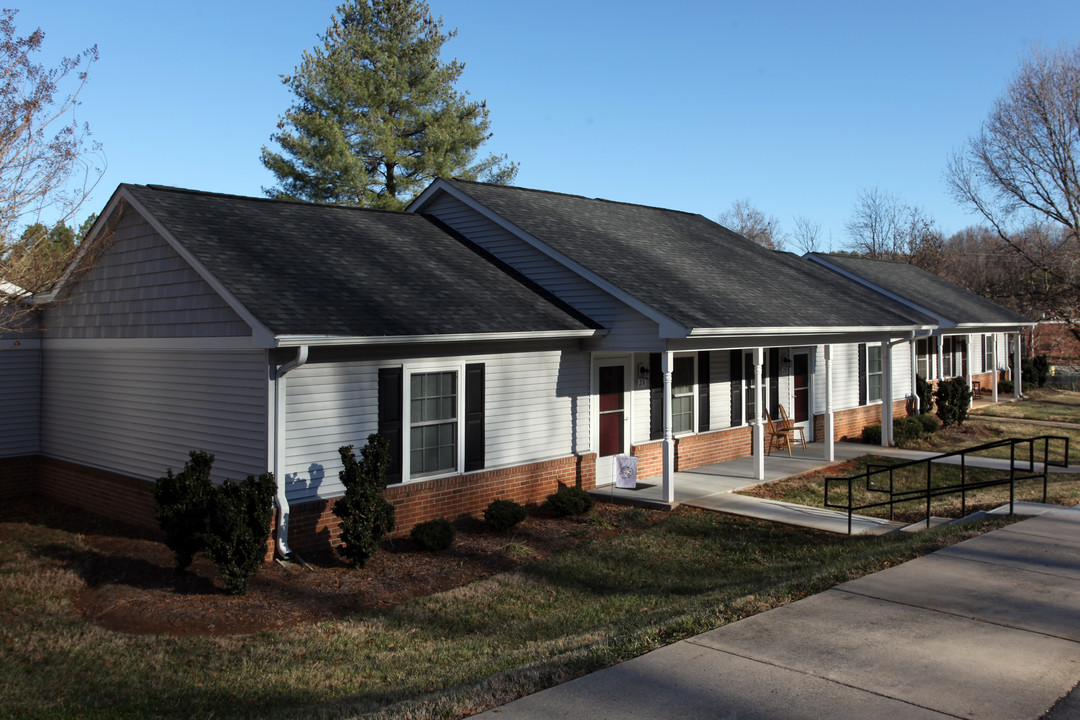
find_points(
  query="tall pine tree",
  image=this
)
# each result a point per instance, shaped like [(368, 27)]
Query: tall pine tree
[(376, 115)]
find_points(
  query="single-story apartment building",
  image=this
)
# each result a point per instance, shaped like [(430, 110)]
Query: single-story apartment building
[(505, 340)]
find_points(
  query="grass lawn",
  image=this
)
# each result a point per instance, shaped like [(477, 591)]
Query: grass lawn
[(1040, 404), (440, 656)]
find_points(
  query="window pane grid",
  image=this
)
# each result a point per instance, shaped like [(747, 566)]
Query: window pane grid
[(873, 373), (433, 413)]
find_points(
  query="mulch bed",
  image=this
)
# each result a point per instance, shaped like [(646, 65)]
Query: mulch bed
[(131, 584)]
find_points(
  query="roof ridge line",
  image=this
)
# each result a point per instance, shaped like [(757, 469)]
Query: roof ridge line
[(278, 201), (575, 195)]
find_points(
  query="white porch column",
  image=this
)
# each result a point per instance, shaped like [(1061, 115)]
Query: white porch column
[(915, 373), (886, 394), (1017, 374), (830, 426), (966, 360), (666, 362), (994, 367), (759, 417)]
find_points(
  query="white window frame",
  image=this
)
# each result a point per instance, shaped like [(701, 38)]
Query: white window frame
[(989, 359), (880, 373), (424, 368), (693, 394), (948, 360), (923, 364)]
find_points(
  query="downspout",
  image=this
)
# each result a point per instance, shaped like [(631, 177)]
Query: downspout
[(280, 499)]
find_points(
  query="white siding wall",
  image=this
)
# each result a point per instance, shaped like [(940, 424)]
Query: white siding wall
[(139, 412), (719, 395), (630, 330), (536, 408), (141, 287), (901, 359), (20, 396)]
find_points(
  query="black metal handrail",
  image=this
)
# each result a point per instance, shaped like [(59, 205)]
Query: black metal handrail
[(876, 470)]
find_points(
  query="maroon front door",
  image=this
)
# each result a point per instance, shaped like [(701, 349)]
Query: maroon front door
[(802, 387), (612, 408)]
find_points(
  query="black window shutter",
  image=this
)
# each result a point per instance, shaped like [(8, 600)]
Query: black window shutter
[(474, 417), (656, 397), (390, 409), (983, 364), (862, 373), (735, 371), (703, 391), (774, 382)]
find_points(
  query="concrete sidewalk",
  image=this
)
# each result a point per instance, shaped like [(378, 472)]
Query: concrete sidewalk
[(988, 628)]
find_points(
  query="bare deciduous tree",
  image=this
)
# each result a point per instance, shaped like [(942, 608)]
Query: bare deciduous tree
[(885, 228), (874, 227), (46, 163), (753, 224), (807, 235), (1020, 173)]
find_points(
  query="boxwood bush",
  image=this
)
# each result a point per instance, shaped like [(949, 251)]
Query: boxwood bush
[(434, 535), (502, 515), (570, 501)]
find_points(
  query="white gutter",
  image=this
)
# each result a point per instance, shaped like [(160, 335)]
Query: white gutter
[(833, 330), (280, 499), (324, 340)]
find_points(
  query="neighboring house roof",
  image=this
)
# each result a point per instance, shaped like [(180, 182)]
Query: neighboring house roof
[(690, 269), (922, 290), (12, 290), (319, 270)]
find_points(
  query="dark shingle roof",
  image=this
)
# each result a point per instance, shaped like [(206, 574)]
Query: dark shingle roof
[(925, 290), (304, 269), (691, 269)]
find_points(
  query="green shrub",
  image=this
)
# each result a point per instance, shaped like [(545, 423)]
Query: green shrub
[(504, 514), (907, 430), (1033, 371), (434, 535), (925, 391), (1005, 387), (181, 503), (570, 501), (365, 514), (871, 434), (930, 424), (953, 399), (238, 525)]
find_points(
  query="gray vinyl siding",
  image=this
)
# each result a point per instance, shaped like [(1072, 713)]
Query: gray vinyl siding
[(629, 329), (139, 412), (140, 287), (536, 408), (20, 396)]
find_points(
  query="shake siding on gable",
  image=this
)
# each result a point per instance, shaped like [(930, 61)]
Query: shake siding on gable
[(142, 288), (20, 390), (139, 412), (536, 408), (630, 330)]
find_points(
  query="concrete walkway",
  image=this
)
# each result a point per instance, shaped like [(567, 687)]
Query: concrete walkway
[(712, 487), (985, 629)]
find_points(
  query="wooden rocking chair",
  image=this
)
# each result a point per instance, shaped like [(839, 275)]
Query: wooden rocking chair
[(787, 424), (778, 436)]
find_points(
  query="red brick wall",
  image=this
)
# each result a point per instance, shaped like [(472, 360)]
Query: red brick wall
[(106, 493), (18, 476), (849, 424), (693, 451), (314, 527)]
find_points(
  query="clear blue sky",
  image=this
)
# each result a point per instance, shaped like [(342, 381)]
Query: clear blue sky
[(686, 105)]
